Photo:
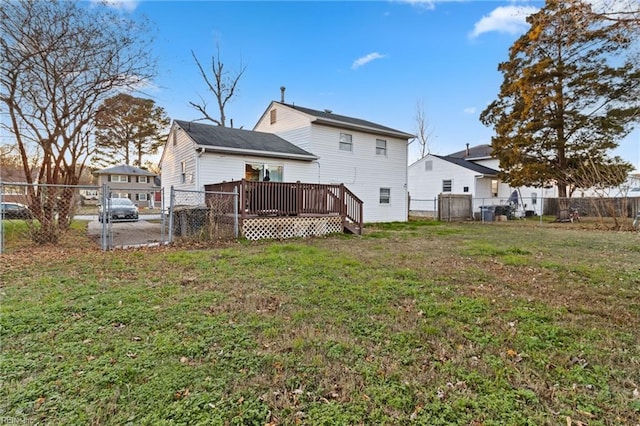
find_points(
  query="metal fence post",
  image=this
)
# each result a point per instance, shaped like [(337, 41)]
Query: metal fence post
[(104, 234), (172, 198)]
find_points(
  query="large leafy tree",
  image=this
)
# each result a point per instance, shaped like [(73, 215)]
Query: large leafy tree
[(59, 60), (569, 95), (127, 129)]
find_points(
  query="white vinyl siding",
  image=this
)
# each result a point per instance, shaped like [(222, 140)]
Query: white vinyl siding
[(363, 172)]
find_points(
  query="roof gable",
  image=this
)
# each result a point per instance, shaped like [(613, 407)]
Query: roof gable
[(225, 139), (328, 118)]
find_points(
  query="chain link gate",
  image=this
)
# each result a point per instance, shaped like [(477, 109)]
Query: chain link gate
[(126, 224)]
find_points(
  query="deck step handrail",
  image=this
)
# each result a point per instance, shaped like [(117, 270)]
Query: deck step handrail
[(295, 198)]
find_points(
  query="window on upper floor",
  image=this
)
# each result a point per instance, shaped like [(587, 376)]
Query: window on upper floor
[(428, 165), (381, 147), (385, 195), (143, 179), (119, 178), (346, 142), (447, 185), (273, 116)]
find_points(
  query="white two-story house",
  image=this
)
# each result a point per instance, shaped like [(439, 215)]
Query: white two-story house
[(291, 143)]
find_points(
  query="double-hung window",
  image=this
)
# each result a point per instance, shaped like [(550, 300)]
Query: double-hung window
[(119, 178), (381, 147), (346, 142), (385, 195)]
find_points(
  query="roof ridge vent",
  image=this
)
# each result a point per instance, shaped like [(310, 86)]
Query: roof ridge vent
[(328, 111)]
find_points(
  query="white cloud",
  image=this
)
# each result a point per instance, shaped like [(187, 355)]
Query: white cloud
[(470, 110), (427, 4), (366, 59), (504, 19), (125, 5)]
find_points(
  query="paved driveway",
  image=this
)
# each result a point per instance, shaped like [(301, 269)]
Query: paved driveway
[(129, 233)]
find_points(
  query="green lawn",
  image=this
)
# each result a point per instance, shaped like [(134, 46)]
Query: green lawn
[(418, 323)]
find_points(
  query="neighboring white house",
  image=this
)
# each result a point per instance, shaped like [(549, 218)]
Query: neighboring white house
[(368, 158), (471, 171), (290, 143)]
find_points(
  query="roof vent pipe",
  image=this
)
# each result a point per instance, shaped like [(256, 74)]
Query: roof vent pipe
[(282, 89), (468, 150)]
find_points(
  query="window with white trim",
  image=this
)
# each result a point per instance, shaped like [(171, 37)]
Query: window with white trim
[(381, 147), (143, 179), (120, 178), (142, 196), (494, 187), (385, 195), (447, 185), (119, 195), (346, 142)]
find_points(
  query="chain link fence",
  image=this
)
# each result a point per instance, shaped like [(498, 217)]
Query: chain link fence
[(203, 216), (70, 216)]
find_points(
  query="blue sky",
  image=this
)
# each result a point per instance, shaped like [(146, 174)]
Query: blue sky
[(372, 60)]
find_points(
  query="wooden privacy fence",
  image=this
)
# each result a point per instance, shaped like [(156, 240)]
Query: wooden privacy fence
[(281, 199), (594, 206), (454, 207)]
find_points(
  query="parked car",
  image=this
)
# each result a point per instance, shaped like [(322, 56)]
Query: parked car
[(15, 211), (118, 209)]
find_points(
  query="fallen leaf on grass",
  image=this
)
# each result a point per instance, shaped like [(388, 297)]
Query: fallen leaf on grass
[(182, 393), (90, 358)]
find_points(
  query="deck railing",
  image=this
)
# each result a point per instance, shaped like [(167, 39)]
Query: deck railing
[(295, 199)]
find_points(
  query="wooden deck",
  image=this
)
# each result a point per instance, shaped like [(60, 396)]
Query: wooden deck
[(295, 199)]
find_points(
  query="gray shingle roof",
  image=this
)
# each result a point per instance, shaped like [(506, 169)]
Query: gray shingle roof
[(124, 170), (469, 165), (224, 139), (478, 151), (331, 119)]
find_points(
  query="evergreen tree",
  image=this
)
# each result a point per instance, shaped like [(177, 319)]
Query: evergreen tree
[(569, 95), (128, 128)]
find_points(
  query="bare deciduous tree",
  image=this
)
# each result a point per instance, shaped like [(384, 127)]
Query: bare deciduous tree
[(222, 84), (424, 132), (58, 61)]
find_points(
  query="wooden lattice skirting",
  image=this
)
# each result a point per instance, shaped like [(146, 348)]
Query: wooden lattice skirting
[(290, 227)]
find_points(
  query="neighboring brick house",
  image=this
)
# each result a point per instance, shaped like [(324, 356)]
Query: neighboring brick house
[(139, 185)]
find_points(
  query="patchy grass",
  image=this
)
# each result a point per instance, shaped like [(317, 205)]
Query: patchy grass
[(424, 323)]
